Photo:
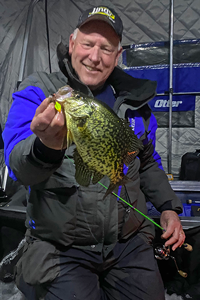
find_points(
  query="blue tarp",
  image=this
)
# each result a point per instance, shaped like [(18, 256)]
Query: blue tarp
[(186, 79), (186, 76)]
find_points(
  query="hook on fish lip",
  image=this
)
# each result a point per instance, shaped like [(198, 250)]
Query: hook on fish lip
[(57, 104)]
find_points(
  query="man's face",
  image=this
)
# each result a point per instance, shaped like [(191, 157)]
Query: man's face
[(94, 53)]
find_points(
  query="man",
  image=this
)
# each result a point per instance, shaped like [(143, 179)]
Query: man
[(78, 245)]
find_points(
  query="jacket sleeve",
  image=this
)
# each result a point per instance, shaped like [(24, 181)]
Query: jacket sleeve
[(19, 140), (154, 181)]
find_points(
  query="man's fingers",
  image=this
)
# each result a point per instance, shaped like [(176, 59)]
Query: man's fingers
[(42, 120), (167, 233), (42, 106), (173, 229), (56, 124), (49, 125), (176, 240)]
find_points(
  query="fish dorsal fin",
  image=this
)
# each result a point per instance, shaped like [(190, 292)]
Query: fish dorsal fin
[(134, 144), (130, 156), (83, 174)]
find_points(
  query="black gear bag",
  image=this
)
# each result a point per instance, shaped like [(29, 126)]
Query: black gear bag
[(190, 166)]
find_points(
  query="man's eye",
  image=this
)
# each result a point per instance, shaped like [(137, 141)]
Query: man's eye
[(87, 45), (107, 50)]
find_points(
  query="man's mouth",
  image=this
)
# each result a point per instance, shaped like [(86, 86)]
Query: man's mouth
[(90, 68)]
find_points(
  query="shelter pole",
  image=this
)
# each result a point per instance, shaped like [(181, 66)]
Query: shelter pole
[(26, 38), (5, 177), (170, 86)]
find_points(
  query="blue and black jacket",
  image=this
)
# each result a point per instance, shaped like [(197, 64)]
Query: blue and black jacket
[(59, 210)]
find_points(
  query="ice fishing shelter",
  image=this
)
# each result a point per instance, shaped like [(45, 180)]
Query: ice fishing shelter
[(161, 41)]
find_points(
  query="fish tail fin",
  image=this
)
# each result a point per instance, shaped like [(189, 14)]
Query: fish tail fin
[(112, 186)]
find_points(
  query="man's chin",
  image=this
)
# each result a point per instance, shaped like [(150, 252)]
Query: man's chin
[(93, 85), (92, 82)]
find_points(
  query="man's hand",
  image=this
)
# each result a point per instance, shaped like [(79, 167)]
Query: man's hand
[(49, 125), (171, 223)]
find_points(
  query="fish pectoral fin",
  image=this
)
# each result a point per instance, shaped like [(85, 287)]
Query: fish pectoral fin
[(83, 174), (96, 177), (69, 138)]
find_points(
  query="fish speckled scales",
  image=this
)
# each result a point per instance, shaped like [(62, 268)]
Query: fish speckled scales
[(104, 142)]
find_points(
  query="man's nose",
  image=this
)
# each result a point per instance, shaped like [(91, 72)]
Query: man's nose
[(95, 54)]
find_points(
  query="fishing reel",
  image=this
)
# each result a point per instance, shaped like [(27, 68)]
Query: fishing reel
[(163, 253)]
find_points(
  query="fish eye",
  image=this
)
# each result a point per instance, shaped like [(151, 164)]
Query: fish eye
[(81, 122)]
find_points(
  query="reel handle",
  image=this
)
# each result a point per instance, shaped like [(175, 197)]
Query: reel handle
[(188, 247), (183, 274)]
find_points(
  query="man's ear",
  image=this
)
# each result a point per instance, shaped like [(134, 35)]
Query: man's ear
[(118, 55), (71, 43)]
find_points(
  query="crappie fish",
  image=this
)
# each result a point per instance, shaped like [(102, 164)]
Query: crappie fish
[(104, 142)]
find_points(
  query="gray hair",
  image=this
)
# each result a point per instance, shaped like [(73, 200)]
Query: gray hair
[(76, 32)]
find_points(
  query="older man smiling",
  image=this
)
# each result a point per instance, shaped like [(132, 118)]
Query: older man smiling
[(79, 246)]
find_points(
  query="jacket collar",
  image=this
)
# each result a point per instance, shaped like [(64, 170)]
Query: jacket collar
[(64, 62), (129, 90), (132, 91)]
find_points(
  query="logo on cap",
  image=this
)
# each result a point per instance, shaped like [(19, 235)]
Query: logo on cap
[(102, 11)]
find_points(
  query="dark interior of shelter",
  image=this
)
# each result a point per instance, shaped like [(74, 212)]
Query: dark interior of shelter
[(174, 62)]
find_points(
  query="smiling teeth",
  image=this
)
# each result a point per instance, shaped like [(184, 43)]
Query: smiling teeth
[(89, 68)]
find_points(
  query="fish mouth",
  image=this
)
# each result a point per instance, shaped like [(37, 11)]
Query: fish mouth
[(64, 93), (63, 98), (65, 90)]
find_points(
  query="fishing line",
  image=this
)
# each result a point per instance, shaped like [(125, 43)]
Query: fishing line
[(133, 207), (186, 246), (127, 203)]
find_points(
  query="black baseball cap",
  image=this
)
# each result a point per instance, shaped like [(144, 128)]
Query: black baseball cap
[(105, 14)]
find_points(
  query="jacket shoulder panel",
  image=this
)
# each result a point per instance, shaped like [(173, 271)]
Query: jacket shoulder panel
[(48, 83)]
